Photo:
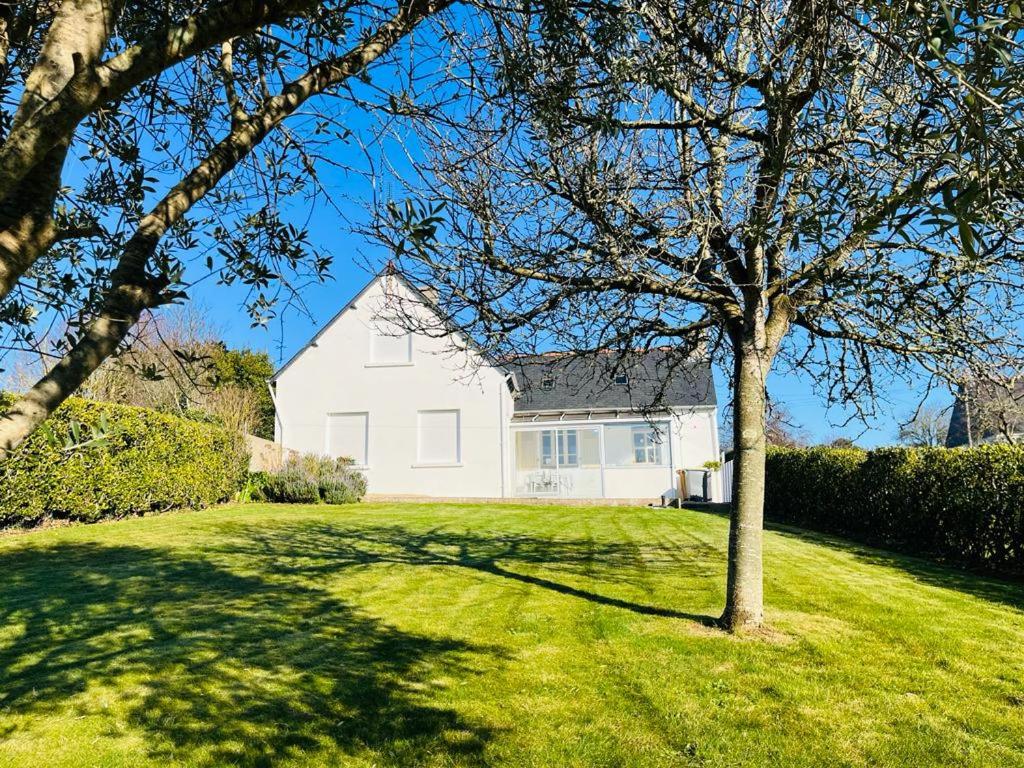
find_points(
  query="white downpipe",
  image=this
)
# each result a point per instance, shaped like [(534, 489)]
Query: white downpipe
[(277, 412), (502, 429)]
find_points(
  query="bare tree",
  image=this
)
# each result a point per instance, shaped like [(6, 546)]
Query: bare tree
[(805, 185), (780, 428), (1000, 416), (926, 427), (177, 363), (168, 366), (989, 408), (161, 110)]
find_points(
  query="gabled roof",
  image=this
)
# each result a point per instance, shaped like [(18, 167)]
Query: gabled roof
[(657, 378), (316, 337), (387, 271), (566, 382)]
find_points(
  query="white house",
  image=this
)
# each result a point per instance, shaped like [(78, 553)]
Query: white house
[(430, 415)]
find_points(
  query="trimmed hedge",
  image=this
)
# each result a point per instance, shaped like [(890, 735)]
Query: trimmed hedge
[(152, 462), (963, 505)]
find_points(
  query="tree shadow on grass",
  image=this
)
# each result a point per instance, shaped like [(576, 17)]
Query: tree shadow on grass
[(325, 548), (995, 589), (1007, 590), (220, 668)]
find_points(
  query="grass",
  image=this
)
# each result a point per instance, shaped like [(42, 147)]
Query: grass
[(444, 635)]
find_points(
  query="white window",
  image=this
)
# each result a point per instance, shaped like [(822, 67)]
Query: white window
[(627, 445), (646, 445), (547, 450), (560, 447), (438, 437), (568, 452), (347, 435), (389, 345)]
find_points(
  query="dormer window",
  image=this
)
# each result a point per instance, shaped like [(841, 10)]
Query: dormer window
[(547, 383)]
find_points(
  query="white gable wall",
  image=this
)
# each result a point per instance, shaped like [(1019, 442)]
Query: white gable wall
[(408, 405)]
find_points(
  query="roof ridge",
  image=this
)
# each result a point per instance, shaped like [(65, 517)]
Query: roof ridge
[(602, 350)]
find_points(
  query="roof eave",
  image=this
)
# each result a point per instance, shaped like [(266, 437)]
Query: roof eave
[(604, 409)]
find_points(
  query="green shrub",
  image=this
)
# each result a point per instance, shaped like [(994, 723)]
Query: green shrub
[(151, 462), (964, 505), (255, 487), (337, 490), (310, 479), (292, 486)]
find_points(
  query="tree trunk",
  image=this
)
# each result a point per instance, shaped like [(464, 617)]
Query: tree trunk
[(132, 290), (27, 226), (744, 607), (78, 33), (101, 339)]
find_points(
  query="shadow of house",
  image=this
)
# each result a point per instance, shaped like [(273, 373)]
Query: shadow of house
[(220, 668)]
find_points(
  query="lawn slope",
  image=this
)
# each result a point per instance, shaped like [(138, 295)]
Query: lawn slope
[(461, 635)]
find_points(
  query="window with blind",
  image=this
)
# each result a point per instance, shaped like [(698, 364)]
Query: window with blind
[(438, 439), (388, 346), (348, 435)]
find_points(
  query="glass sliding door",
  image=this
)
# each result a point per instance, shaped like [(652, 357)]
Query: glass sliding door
[(562, 462)]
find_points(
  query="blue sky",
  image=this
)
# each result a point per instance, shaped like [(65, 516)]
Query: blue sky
[(331, 228), (355, 259)]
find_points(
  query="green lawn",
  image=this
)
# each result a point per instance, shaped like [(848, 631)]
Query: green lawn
[(436, 635)]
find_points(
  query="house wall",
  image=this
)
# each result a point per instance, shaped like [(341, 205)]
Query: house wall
[(336, 375), (695, 441)]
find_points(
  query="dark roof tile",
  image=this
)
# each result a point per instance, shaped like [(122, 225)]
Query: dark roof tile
[(657, 378)]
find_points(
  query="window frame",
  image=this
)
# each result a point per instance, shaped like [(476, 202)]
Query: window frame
[(375, 334), (625, 440), (427, 463), (559, 447), (366, 437), (646, 451), (568, 449), (547, 448)]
